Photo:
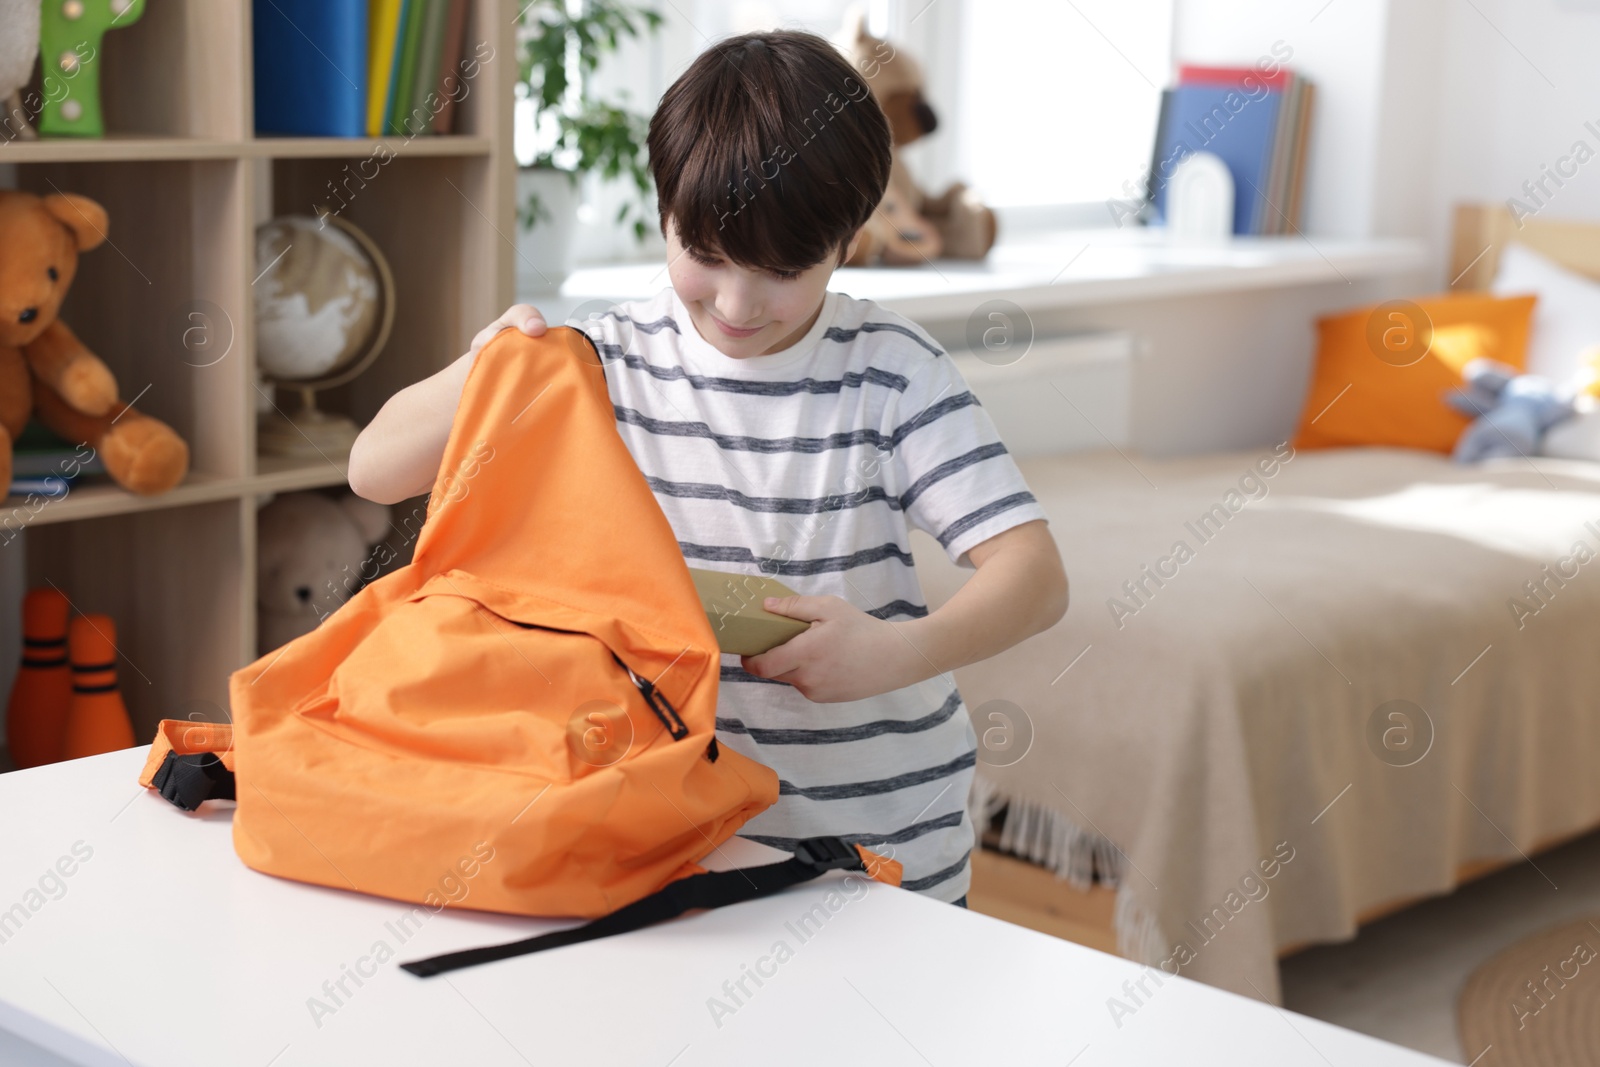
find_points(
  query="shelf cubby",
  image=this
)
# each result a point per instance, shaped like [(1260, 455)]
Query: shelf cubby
[(161, 300), (174, 583), (182, 70), (167, 303), (440, 269)]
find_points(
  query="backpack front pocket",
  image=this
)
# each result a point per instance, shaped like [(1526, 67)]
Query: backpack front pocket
[(450, 674)]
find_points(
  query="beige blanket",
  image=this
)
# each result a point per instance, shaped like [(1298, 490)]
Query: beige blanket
[(1289, 698)]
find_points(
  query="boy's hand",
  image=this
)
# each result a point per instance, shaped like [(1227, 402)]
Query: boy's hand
[(845, 655), (519, 316)]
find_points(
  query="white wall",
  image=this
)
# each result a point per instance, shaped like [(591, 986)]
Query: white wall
[(1519, 80), (1406, 124)]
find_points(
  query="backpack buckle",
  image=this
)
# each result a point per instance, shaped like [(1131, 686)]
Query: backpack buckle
[(828, 854)]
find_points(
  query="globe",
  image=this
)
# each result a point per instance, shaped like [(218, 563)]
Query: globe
[(317, 299), (325, 304)]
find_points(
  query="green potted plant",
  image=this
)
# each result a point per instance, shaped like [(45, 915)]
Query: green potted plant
[(560, 45)]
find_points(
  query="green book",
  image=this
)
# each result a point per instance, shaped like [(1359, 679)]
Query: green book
[(429, 55), (418, 15), (397, 52)]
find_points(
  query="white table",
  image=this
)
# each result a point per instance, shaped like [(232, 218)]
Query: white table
[(162, 950)]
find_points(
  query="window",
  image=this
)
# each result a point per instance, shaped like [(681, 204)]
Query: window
[(722, 18), (1051, 102), (1047, 108), (1041, 102)]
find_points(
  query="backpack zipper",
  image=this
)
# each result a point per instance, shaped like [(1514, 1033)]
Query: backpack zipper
[(657, 701)]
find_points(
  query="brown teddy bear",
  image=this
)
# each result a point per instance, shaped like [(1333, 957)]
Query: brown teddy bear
[(910, 226), (47, 371)]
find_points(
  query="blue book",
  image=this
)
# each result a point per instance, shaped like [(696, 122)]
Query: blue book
[(311, 67), (45, 485), (1238, 129)]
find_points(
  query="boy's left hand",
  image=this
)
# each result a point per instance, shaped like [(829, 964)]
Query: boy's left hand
[(845, 655)]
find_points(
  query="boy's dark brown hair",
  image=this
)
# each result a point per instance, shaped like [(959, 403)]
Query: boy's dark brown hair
[(769, 150)]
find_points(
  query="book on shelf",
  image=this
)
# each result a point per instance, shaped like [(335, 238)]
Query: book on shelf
[(44, 464), (311, 67), (448, 83), (43, 485), (383, 25), (1257, 123), (407, 46), (357, 68)]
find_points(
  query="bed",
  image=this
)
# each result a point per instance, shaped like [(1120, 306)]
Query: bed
[(1294, 691)]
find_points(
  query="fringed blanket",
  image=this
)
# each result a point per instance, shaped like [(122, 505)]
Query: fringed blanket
[(1292, 688)]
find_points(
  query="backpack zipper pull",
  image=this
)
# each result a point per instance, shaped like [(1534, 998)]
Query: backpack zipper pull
[(658, 702)]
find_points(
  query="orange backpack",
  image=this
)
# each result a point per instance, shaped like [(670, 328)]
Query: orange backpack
[(532, 698)]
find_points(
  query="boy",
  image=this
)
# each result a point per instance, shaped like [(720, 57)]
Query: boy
[(798, 433)]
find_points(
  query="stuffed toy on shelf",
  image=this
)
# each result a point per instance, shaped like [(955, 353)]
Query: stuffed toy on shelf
[(313, 552), (910, 226), (45, 370), (19, 50)]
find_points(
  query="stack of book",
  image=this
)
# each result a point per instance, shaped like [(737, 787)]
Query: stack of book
[(1257, 123), (43, 464), (359, 68)]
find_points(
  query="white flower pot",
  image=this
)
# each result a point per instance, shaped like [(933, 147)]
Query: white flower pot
[(544, 253)]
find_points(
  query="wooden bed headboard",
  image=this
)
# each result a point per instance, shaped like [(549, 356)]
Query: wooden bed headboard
[(1482, 230)]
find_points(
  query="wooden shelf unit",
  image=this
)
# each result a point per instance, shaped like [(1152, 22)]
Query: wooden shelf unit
[(186, 182), (133, 149)]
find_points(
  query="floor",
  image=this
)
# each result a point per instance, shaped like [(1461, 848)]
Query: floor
[(1399, 979)]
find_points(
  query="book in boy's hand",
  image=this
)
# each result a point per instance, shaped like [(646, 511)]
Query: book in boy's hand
[(733, 604)]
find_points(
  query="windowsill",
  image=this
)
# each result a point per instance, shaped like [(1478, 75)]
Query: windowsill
[(1063, 268)]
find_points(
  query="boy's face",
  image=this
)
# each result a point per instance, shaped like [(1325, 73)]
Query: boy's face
[(743, 312)]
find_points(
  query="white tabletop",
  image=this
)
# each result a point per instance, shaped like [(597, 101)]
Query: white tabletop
[(161, 949)]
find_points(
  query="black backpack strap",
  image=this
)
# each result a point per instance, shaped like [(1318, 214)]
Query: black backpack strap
[(713, 889), (186, 780)]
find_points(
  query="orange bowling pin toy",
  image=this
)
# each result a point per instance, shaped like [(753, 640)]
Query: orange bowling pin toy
[(36, 716), (98, 721)]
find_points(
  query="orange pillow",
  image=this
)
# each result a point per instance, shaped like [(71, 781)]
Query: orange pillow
[(1382, 370)]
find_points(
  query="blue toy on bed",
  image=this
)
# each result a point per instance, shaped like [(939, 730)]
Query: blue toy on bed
[(1512, 410)]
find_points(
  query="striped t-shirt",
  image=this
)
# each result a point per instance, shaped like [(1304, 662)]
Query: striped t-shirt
[(810, 465)]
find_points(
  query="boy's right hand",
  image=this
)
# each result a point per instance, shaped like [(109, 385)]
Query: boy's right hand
[(519, 316)]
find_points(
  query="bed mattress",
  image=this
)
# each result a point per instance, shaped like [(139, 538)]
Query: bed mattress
[(1292, 687)]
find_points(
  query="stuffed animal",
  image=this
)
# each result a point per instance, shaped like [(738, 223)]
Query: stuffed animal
[(45, 370), (910, 226), (313, 551), (19, 48), (1586, 380), (1513, 411), (1579, 436)]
